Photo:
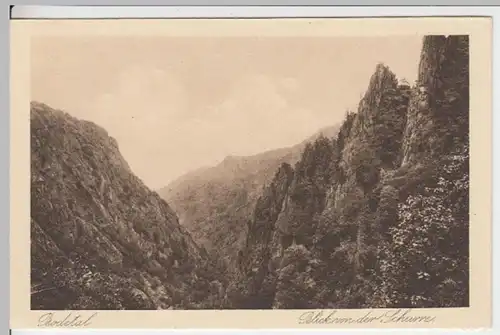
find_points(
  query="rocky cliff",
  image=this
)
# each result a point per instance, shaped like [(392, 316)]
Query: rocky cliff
[(440, 102), (378, 215), (100, 239)]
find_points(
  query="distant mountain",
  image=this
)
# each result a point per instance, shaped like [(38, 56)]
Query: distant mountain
[(100, 239), (215, 203)]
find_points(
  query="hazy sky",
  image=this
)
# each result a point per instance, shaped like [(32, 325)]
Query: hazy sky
[(176, 104)]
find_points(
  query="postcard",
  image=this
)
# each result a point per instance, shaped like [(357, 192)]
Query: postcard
[(251, 173)]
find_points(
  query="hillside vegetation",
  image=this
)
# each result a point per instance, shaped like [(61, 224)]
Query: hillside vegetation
[(377, 216), (100, 239)]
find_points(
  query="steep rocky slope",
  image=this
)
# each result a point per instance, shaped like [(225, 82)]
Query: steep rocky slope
[(214, 203), (378, 215), (100, 239)]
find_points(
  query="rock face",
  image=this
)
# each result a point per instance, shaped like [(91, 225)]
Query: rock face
[(215, 204), (376, 216), (100, 239), (439, 108)]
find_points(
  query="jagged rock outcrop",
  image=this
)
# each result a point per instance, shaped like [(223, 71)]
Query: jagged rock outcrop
[(100, 239), (335, 176), (378, 217), (439, 110), (253, 259), (307, 192), (431, 187)]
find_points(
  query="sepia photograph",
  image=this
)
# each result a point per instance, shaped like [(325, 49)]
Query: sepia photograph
[(189, 173), (224, 172)]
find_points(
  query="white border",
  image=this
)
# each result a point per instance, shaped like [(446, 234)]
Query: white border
[(108, 12), (299, 11)]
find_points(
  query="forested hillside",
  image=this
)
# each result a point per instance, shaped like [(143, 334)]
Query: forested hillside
[(100, 239), (378, 215)]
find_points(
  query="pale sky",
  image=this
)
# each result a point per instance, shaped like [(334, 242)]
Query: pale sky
[(176, 104)]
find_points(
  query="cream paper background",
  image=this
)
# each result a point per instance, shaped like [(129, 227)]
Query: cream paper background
[(480, 32)]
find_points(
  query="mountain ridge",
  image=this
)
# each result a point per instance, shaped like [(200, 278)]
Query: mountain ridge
[(271, 153)]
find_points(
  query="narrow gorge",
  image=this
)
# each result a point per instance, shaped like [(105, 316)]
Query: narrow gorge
[(372, 213)]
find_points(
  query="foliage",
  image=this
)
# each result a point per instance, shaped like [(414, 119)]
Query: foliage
[(425, 263), (378, 216)]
